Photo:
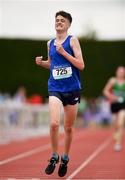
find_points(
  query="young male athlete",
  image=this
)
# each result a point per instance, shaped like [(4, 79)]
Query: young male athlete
[(115, 92), (64, 61)]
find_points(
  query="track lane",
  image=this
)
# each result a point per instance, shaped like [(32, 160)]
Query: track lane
[(109, 165), (85, 142)]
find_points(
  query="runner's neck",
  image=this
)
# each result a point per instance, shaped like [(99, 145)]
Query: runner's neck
[(61, 36)]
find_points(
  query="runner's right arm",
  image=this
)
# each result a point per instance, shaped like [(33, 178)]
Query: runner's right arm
[(107, 91), (44, 63)]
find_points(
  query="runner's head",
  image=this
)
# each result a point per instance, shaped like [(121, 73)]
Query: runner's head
[(63, 21), (120, 72)]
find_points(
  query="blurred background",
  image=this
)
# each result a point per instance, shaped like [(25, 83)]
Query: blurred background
[(25, 28)]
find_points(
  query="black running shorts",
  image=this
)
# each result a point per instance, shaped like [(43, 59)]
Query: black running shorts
[(117, 106), (67, 98)]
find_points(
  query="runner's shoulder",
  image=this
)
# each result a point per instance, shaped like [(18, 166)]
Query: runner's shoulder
[(74, 40), (48, 42), (112, 80)]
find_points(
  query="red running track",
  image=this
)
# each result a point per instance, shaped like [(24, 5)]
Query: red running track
[(91, 157)]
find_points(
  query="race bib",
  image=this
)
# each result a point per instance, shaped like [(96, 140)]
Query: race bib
[(62, 72)]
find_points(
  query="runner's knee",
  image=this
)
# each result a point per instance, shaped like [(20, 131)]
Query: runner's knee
[(54, 126), (68, 129), (121, 118)]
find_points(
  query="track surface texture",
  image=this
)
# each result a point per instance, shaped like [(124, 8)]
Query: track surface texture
[(91, 157)]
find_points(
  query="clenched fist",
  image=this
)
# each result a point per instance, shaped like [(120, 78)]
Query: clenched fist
[(59, 48), (39, 60)]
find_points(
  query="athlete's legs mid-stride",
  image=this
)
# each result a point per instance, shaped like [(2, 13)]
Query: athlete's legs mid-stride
[(70, 112)]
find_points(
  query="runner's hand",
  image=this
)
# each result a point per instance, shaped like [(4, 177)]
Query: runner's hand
[(39, 60), (114, 98), (59, 48)]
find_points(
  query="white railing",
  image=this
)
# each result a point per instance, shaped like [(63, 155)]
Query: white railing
[(20, 120)]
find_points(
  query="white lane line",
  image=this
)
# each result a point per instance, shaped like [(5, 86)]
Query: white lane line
[(28, 153), (90, 158), (25, 154), (31, 152)]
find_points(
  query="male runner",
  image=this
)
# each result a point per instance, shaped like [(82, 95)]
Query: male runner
[(115, 92), (64, 61)]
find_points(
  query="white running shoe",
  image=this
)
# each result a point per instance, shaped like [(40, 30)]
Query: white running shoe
[(117, 147)]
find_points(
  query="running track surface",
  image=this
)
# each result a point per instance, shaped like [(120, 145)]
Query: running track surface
[(91, 157)]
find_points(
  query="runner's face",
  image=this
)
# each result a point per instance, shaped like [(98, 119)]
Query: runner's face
[(120, 72), (61, 24)]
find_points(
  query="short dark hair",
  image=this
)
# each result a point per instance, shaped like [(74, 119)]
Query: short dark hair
[(65, 15)]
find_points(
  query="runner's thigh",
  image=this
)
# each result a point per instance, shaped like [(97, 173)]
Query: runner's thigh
[(55, 108)]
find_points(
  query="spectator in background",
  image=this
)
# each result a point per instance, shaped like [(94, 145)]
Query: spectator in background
[(35, 99), (82, 106), (20, 95), (115, 92), (1, 97), (18, 99), (104, 116)]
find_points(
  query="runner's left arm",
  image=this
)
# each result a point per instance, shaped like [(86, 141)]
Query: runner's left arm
[(77, 59)]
